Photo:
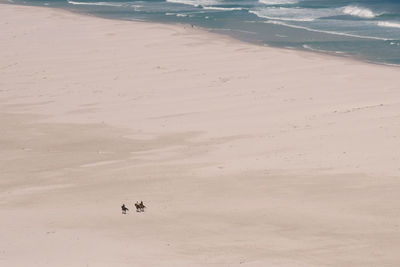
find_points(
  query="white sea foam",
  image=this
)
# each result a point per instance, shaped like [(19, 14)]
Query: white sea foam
[(278, 2), (176, 14), (359, 12), (96, 3), (389, 24), (310, 14), (277, 16), (222, 8), (295, 14), (321, 50), (196, 3), (327, 32)]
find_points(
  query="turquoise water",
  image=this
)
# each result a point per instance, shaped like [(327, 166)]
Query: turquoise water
[(365, 29)]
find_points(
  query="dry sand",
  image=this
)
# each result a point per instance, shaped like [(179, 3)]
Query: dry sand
[(244, 155)]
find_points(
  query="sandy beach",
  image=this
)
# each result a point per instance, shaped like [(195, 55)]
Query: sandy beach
[(244, 155)]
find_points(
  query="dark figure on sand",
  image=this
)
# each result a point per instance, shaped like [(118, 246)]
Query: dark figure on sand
[(124, 209), (140, 206)]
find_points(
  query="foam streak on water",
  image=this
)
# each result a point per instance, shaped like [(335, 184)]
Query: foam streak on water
[(114, 4), (196, 3), (278, 2), (389, 24)]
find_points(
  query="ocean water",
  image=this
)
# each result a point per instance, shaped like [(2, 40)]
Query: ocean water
[(364, 29)]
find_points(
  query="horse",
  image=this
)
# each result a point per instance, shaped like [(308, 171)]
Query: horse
[(140, 206), (124, 209)]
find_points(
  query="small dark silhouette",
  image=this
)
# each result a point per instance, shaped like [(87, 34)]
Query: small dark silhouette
[(140, 206), (137, 205), (124, 209)]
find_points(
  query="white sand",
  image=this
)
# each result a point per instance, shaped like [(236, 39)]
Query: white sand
[(244, 155)]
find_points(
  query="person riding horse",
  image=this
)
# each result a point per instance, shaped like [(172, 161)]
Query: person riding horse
[(124, 209), (140, 206)]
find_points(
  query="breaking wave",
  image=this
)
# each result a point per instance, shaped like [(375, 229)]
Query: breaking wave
[(388, 24), (359, 12), (311, 14)]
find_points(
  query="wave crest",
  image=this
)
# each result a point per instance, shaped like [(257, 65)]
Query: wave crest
[(389, 24), (359, 12)]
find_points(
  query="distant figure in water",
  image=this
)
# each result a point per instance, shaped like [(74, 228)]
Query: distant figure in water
[(124, 209)]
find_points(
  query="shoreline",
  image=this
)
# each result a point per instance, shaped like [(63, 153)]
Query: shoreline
[(244, 155), (219, 32)]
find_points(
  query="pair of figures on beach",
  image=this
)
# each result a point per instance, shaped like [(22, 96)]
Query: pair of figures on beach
[(139, 207)]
